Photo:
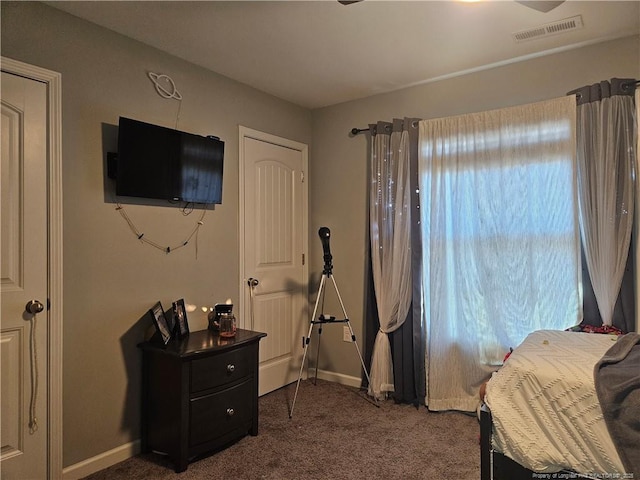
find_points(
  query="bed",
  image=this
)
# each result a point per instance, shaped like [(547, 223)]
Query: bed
[(564, 405)]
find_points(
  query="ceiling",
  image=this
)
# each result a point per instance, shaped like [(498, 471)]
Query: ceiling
[(320, 53)]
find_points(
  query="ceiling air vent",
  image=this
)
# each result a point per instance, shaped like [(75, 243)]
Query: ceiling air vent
[(561, 26)]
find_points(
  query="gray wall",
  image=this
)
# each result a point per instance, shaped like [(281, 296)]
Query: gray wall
[(111, 279), (338, 197)]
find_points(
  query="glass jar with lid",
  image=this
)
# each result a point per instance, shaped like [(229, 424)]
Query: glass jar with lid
[(227, 325)]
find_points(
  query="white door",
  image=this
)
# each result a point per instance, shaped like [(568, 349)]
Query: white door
[(273, 196), (30, 390), (24, 277)]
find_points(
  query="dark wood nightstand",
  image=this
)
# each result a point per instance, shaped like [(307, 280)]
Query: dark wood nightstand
[(199, 393)]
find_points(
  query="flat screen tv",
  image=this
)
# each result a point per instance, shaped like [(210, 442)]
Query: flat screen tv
[(162, 163)]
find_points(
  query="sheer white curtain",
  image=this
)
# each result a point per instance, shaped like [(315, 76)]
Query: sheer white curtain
[(390, 226), (606, 158), (500, 238)]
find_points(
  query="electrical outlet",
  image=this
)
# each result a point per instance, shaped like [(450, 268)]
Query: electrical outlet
[(346, 334)]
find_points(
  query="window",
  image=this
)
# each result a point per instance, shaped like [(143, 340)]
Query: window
[(500, 233)]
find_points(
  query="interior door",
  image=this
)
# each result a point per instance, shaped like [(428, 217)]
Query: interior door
[(274, 243), (23, 340)]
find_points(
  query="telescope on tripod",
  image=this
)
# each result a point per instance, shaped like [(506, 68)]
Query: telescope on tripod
[(327, 273), (325, 234)]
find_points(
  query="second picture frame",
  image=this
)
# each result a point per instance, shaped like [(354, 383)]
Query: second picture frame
[(180, 316)]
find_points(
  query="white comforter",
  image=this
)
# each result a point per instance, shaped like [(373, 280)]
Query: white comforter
[(545, 409)]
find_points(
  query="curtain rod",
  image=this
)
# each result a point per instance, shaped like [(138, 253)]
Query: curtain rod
[(356, 131)]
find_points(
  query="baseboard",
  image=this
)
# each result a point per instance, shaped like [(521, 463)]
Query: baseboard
[(339, 378), (101, 461)]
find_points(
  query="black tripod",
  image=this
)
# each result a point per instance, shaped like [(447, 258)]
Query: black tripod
[(327, 273)]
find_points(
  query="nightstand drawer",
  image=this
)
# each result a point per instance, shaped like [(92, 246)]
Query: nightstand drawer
[(219, 413), (214, 371)]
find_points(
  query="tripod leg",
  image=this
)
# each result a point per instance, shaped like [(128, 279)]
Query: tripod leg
[(315, 380), (304, 355), (353, 337), (306, 343)]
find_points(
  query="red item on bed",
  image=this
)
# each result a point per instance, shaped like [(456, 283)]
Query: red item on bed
[(606, 329)]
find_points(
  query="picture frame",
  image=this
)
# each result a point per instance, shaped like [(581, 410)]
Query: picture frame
[(170, 317), (180, 315), (160, 321)]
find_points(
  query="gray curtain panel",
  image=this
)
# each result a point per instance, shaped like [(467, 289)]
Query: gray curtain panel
[(602, 124)]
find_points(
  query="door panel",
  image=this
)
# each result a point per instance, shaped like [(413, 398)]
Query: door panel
[(11, 343), (274, 226), (274, 312), (23, 345), (12, 192)]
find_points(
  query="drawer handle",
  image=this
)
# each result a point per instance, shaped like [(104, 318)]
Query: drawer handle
[(230, 412), (231, 368)]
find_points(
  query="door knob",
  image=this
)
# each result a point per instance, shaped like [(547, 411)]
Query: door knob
[(253, 282), (34, 306)]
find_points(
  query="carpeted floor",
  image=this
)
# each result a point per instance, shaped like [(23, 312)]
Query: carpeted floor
[(336, 432)]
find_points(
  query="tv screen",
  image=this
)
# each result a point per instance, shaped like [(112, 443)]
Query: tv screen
[(162, 163)]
